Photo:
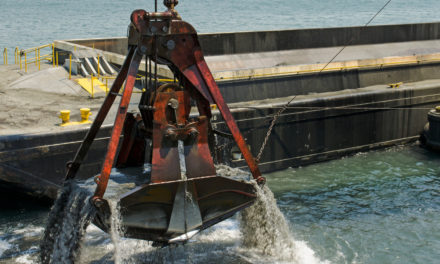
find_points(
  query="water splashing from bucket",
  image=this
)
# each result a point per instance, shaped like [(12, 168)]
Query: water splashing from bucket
[(68, 220), (266, 230)]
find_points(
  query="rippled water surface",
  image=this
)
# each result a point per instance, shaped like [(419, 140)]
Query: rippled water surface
[(28, 23), (376, 207)]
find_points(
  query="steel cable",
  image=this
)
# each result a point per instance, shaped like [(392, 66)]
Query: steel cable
[(275, 117)]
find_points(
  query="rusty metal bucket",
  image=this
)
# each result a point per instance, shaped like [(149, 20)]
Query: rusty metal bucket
[(184, 194)]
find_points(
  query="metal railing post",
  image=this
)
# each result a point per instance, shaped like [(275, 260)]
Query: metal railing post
[(36, 62), (5, 56), (91, 82), (25, 62), (17, 54), (98, 66), (57, 58), (70, 66), (53, 55), (39, 59)]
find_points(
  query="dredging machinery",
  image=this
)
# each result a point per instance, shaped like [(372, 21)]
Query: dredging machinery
[(183, 194)]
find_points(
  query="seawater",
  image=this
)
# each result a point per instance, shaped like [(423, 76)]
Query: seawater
[(29, 23), (376, 207)]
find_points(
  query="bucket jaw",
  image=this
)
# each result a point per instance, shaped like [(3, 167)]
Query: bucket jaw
[(184, 194), (173, 212)]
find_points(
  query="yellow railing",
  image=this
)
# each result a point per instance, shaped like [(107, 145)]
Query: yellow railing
[(28, 59), (140, 77), (57, 54), (5, 56), (98, 66), (93, 89), (70, 66), (16, 55), (106, 78)]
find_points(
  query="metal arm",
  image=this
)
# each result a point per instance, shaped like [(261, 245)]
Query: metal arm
[(102, 179), (74, 166)]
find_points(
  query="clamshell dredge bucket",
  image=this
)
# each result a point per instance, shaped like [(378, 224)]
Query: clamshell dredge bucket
[(184, 194)]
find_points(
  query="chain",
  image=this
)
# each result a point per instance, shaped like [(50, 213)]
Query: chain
[(272, 124), (275, 117), (231, 142)]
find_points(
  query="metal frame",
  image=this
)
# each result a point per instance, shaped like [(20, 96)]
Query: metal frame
[(163, 38)]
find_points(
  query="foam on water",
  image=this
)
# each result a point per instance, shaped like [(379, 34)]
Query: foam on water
[(29, 231), (4, 245), (265, 229), (19, 242), (25, 259)]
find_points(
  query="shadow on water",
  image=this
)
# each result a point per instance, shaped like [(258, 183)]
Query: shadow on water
[(16, 206), (21, 221)]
